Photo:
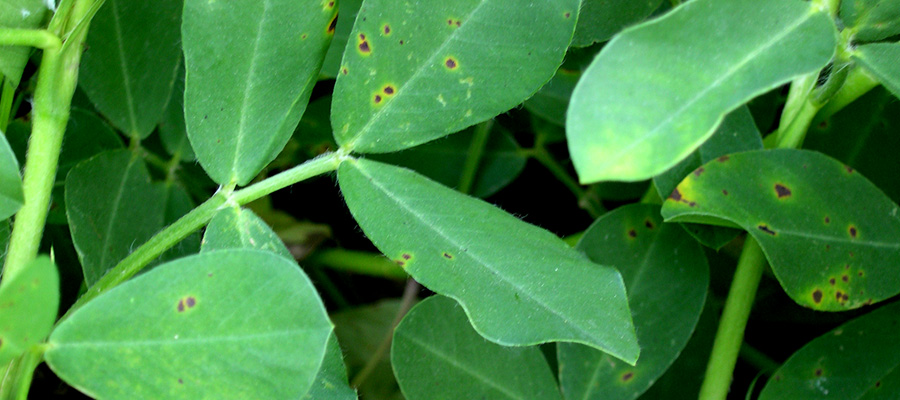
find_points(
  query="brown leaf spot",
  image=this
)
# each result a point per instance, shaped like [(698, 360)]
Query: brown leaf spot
[(344, 71), (303, 36), (818, 372), (676, 195), (190, 302), (451, 63), (877, 384), (827, 220), (627, 376), (331, 25), (400, 262), (181, 305), (852, 231), (765, 228), (386, 29), (782, 191), (817, 296), (724, 192), (648, 224), (330, 4), (846, 266), (832, 281), (364, 47), (388, 90), (180, 381), (723, 158), (632, 233), (823, 124), (406, 256), (699, 171), (838, 295), (692, 204), (401, 42), (845, 278), (849, 170), (859, 273), (567, 15), (448, 255), (778, 378), (209, 275), (377, 98)]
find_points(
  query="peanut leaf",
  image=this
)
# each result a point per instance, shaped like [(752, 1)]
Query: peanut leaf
[(29, 302)]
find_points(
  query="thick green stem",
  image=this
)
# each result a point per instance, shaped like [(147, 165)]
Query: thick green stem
[(359, 262), (792, 137), (29, 37), (796, 102), (7, 93), (733, 321), (473, 159)]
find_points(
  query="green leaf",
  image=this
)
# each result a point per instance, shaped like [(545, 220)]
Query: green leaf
[(361, 331), (736, 133), (416, 71), (829, 234), (443, 160), (178, 203), (130, 61), (519, 284), (193, 328), (437, 355), (241, 111), (347, 10), (236, 228), (666, 276), (172, 131), (857, 360), (552, 101), (883, 61), (22, 14), (331, 381), (657, 91), (871, 20), (29, 302), (599, 20), (11, 196), (112, 208)]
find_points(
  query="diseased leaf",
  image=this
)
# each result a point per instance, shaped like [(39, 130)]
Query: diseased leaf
[(237, 228), (630, 119), (29, 301), (11, 196), (829, 234), (871, 20), (415, 71), (599, 20), (21, 14), (666, 277), (346, 16), (240, 113), (131, 57), (331, 381), (519, 284), (883, 61), (857, 360), (112, 209), (192, 329)]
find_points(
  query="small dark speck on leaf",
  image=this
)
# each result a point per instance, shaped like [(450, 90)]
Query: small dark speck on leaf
[(448, 256), (832, 281), (845, 278), (330, 4), (332, 24), (724, 192), (632, 233), (849, 170), (450, 62), (877, 384), (406, 256), (819, 372), (699, 171), (401, 41), (817, 296), (846, 266), (180, 381), (765, 228), (823, 124), (209, 275), (387, 29), (344, 71), (852, 231), (778, 378), (388, 90), (567, 15), (627, 377), (364, 47), (838, 295), (860, 273), (723, 158), (782, 191), (676, 195), (648, 224), (400, 262), (377, 99), (827, 220), (692, 204)]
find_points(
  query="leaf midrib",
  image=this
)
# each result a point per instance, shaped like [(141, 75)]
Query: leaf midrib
[(251, 72), (129, 99), (113, 215)]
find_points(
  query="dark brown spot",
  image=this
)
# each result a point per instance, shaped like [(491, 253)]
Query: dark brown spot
[(449, 22), (386, 29), (627, 377), (849, 170), (845, 278), (450, 62), (818, 372), (699, 171), (181, 305), (377, 99), (632, 233), (344, 71), (567, 15), (330, 4), (724, 192), (364, 47), (648, 224), (448, 256), (877, 384), (332, 25), (723, 158), (400, 262), (180, 381), (388, 90), (845, 297), (852, 231), (823, 124), (860, 273), (362, 36), (209, 275), (846, 266), (765, 228), (190, 302), (851, 255), (401, 41), (303, 36), (817, 296), (692, 204), (778, 378), (782, 191), (827, 220), (868, 302), (676, 195), (838, 295), (832, 281), (406, 256)]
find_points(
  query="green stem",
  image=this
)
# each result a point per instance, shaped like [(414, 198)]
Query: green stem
[(7, 94), (733, 321), (29, 37), (360, 262), (798, 97), (473, 159), (17, 379), (792, 137)]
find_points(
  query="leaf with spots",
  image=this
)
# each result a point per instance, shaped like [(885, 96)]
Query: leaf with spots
[(871, 20), (828, 233), (736, 133), (882, 60), (112, 209), (647, 101), (11, 195), (437, 354), (519, 284), (132, 56), (245, 95), (857, 360), (237, 228), (666, 276), (195, 328), (347, 10), (415, 71), (29, 301), (599, 20), (21, 14), (331, 381)]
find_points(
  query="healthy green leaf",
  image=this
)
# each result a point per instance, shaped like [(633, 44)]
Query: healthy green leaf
[(11, 196), (131, 57), (178, 203), (871, 20), (829, 234), (347, 10), (666, 276), (193, 328), (552, 101), (331, 381), (437, 355), (443, 160), (883, 61), (858, 360), (22, 14), (416, 71), (172, 132), (736, 133), (29, 302), (236, 228), (239, 113), (361, 331), (657, 91), (599, 20), (112, 208), (519, 284)]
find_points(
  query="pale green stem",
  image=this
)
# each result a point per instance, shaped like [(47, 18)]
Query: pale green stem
[(473, 159), (792, 137), (359, 262), (857, 83), (7, 94), (798, 97), (29, 37)]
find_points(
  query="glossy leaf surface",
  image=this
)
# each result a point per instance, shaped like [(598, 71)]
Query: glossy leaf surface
[(871, 20), (857, 360), (244, 96), (599, 20), (22, 14), (29, 302), (629, 119), (237, 228), (666, 276), (519, 284), (416, 71), (883, 61), (193, 328), (131, 58), (331, 381), (112, 208), (437, 354), (11, 196), (829, 234)]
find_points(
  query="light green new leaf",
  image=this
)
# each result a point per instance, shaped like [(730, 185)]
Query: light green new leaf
[(416, 71), (236, 228), (131, 56), (21, 14), (112, 209), (331, 381), (871, 20), (437, 355), (829, 234), (250, 68), (11, 196), (29, 302), (599, 20), (236, 324), (519, 284), (858, 360), (883, 61), (657, 91), (666, 275)]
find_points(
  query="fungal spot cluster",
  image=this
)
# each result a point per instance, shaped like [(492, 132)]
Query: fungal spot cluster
[(332, 25), (363, 45), (386, 92), (677, 197), (404, 259), (453, 23), (451, 63), (186, 303), (782, 191), (765, 228)]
